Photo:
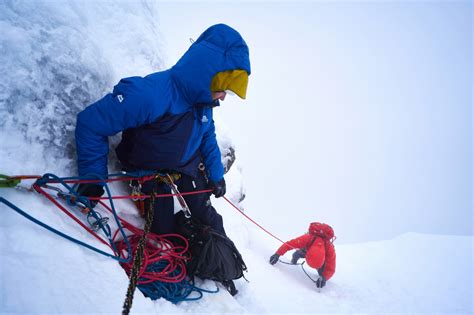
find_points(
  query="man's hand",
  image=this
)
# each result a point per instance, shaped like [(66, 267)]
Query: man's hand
[(321, 282), (218, 189), (274, 259), (90, 190)]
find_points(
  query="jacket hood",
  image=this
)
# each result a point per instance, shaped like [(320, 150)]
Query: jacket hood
[(321, 229), (219, 48)]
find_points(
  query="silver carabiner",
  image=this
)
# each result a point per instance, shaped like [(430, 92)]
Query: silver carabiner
[(136, 190), (98, 223)]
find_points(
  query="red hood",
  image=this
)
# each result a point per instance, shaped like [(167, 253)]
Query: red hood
[(321, 229)]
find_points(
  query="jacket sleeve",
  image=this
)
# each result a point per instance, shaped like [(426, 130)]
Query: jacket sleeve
[(299, 242), (128, 106), (330, 261), (211, 154)]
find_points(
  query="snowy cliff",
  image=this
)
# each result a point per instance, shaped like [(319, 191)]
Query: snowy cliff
[(56, 59)]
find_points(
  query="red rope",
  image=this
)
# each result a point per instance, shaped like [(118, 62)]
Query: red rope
[(254, 222), (126, 224), (63, 209), (84, 181), (190, 193), (109, 180), (25, 177), (156, 196), (158, 248)]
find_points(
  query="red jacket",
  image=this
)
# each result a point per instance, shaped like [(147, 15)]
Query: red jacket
[(320, 254)]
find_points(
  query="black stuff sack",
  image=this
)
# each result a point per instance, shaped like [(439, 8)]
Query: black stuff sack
[(213, 255)]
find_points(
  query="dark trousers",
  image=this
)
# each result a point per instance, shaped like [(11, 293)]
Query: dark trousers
[(298, 254), (199, 204)]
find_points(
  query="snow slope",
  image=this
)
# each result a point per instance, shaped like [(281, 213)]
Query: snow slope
[(413, 273)]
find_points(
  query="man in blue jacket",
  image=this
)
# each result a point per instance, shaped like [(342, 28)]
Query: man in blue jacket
[(167, 125)]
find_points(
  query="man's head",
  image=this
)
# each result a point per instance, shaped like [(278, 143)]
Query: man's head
[(218, 61), (218, 95)]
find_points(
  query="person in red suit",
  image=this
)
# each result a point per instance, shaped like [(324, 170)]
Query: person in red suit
[(318, 249)]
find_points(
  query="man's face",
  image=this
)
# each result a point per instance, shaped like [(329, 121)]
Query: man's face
[(219, 95)]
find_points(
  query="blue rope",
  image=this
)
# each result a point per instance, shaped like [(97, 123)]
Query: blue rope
[(173, 292), (49, 228), (105, 228)]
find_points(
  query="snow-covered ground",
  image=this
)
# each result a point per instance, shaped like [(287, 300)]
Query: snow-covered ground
[(411, 274), (54, 60)]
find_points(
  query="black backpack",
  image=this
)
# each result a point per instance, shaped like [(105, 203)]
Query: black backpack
[(213, 255)]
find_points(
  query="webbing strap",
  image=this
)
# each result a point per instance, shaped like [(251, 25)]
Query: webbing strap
[(8, 182), (169, 181)]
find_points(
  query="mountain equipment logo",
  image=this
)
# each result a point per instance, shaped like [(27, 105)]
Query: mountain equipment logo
[(120, 98), (204, 119)]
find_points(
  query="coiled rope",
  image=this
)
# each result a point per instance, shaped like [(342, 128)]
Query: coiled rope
[(159, 265)]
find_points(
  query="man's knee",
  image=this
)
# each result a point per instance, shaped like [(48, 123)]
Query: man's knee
[(300, 253), (215, 220)]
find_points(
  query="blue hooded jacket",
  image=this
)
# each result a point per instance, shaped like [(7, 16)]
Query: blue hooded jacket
[(166, 117)]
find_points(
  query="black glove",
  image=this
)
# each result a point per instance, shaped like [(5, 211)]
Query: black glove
[(274, 259), (218, 189), (90, 190), (321, 282)]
